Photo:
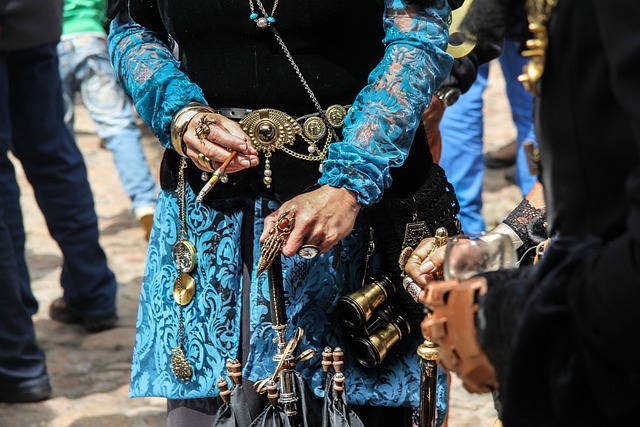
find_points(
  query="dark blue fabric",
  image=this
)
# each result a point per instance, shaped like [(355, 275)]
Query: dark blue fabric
[(20, 357), (32, 128)]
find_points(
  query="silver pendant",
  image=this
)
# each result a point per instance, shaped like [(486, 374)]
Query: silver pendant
[(262, 23)]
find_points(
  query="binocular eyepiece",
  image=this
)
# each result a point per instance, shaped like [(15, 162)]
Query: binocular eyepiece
[(375, 325), (357, 307), (370, 350)]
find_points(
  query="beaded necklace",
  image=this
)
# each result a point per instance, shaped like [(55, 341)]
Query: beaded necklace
[(266, 19)]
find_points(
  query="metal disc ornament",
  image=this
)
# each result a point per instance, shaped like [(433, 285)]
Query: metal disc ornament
[(184, 256), (184, 288)]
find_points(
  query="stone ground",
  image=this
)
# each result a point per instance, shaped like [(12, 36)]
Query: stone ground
[(90, 372)]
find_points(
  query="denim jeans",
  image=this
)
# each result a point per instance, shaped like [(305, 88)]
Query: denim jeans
[(85, 69), (32, 128), (462, 137)]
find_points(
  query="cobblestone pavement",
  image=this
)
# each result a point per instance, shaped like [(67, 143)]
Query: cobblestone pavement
[(90, 372)]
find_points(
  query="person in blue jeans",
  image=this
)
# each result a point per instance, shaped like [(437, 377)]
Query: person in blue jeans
[(462, 137), (32, 129), (85, 69)]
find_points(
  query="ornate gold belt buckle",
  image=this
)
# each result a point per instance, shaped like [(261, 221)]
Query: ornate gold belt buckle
[(270, 129)]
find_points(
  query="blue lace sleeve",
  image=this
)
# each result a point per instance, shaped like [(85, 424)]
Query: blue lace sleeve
[(149, 72), (383, 120)]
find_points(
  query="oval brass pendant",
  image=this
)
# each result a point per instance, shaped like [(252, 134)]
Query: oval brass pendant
[(184, 288), (179, 364), (184, 256)]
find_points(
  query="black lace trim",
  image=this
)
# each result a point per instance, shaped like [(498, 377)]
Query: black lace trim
[(530, 224), (434, 203)]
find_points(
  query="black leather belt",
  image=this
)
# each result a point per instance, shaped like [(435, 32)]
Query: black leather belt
[(333, 114)]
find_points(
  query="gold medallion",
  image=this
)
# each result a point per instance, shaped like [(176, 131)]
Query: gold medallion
[(336, 114), (184, 288), (314, 128)]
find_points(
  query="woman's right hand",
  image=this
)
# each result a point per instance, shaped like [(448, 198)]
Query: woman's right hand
[(424, 263), (214, 136)]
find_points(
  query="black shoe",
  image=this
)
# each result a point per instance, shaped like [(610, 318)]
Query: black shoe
[(59, 311), (33, 390), (502, 157)]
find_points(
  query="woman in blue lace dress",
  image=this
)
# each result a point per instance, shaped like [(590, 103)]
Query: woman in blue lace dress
[(321, 101)]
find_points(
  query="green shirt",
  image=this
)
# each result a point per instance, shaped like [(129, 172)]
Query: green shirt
[(84, 16)]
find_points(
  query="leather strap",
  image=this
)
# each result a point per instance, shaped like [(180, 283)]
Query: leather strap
[(451, 324), (241, 113)]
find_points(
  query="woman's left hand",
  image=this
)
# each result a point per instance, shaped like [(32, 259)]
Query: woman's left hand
[(323, 217)]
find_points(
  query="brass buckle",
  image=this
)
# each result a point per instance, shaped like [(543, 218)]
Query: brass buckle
[(270, 129)]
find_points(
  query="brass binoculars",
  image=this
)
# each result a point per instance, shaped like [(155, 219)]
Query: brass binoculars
[(374, 325)]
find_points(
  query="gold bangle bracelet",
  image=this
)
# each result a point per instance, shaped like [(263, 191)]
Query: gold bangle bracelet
[(181, 121)]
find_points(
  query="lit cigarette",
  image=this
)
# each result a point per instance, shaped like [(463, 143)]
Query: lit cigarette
[(215, 177)]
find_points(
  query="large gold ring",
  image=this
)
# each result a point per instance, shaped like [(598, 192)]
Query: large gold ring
[(204, 161), (417, 258), (203, 127)]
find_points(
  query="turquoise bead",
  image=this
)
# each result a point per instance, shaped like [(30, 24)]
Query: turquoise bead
[(271, 19), (253, 16)]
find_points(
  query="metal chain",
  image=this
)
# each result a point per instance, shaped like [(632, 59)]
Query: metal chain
[(297, 69), (181, 198), (303, 81), (183, 235), (180, 318), (310, 157), (262, 9)]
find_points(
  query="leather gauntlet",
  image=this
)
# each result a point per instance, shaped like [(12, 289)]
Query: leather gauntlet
[(452, 324)]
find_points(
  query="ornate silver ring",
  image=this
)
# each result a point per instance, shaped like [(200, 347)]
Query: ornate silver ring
[(308, 251), (411, 287)]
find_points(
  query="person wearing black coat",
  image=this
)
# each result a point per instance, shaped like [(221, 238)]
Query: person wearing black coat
[(556, 340)]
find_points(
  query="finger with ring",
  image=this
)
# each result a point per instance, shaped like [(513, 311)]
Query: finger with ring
[(204, 161), (203, 127), (308, 251), (417, 258), (411, 287)]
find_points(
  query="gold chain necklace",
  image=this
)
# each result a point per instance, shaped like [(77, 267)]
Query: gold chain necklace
[(184, 257), (266, 19)]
